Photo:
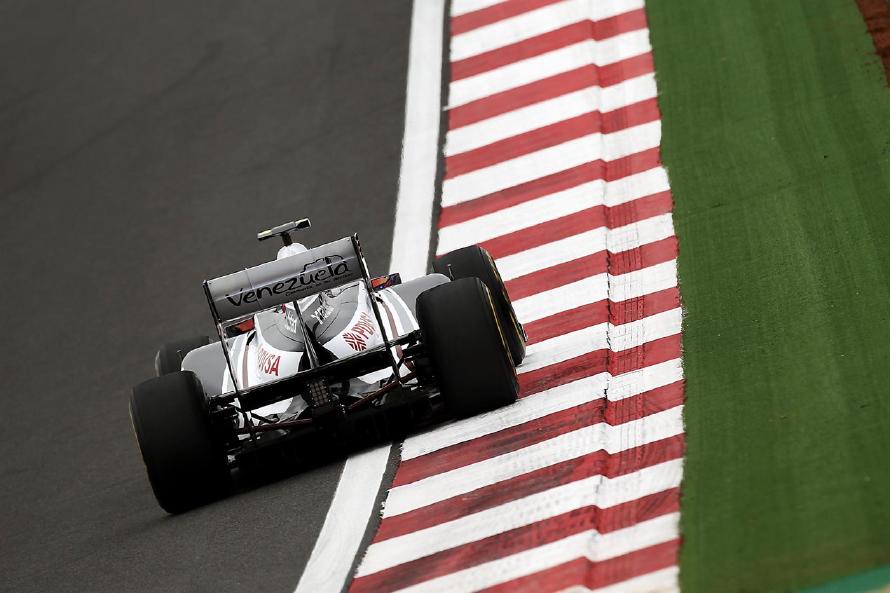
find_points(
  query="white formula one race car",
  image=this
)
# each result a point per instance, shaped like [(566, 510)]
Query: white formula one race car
[(315, 359)]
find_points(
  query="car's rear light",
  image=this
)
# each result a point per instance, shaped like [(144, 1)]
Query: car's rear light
[(239, 328), (385, 281)]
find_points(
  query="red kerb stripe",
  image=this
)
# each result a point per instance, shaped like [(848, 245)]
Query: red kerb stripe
[(550, 184), (537, 431), (575, 223), (595, 313), (567, 321), (492, 14), (517, 540), (547, 42), (644, 256), (594, 575), (579, 468), (548, 88), (624, 262), (551, 135), (599, 361), (556, 276)]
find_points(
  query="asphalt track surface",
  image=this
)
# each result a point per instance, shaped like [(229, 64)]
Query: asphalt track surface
[(141, 146)]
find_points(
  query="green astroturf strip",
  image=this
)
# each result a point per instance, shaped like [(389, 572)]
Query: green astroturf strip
[(873, 581), (777, 142)]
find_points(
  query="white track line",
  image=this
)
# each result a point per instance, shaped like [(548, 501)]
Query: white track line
[(595, 490), (345, 522), (569, 445), (533, 23), (590, 544), (554, 159), (585, 53), (420, 145), (353, 504), (551, 111)]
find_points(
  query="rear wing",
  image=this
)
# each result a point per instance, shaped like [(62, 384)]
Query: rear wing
[(236, 297)]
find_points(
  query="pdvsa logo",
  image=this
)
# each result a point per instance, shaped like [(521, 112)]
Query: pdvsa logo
[(267, 362), (357, 336)]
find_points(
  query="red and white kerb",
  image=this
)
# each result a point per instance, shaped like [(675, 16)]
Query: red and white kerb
[(552, 164)]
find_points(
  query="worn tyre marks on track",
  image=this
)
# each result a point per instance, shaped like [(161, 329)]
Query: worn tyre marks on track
[(552, 163)]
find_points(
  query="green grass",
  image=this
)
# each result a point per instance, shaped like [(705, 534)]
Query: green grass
[(777, 142)]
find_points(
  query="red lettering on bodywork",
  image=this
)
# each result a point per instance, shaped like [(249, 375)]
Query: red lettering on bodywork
[(357, 336)]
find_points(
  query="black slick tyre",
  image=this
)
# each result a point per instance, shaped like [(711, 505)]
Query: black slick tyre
[(475, 262), (169, 357), (466, 347), (186, 468)]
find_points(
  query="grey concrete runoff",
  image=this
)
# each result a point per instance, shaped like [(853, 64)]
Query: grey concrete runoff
[(142, 146)]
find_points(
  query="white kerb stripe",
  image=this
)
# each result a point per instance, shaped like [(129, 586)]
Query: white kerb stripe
[(550, 207), (564, 347), (617, 240), (642, 282), (541, 404), (563, 298), (616, 338), (636, 186), (521, 216), (552, 111), (637, 234), (525, 410), (549, 255), (596, 288), (570, 445), (595, 490), (639, 381), (558, 61), (533, 23), (648, 329), (590, 544), (660, 581), (553, 159)]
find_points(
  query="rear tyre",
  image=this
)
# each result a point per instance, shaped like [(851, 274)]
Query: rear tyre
[(185, 466), (475, 262), (169, 357), (466, 347)]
